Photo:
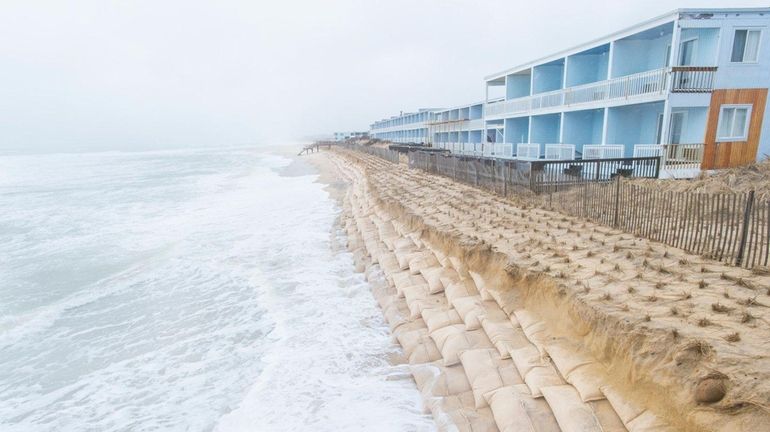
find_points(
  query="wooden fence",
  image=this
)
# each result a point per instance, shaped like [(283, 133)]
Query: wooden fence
[(730, 227)]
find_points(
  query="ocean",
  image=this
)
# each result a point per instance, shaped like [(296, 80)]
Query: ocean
[(189, 290)]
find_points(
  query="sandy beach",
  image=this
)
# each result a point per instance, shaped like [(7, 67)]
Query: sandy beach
[(511, 315)]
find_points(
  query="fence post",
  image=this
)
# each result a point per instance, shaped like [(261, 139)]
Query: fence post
[(617, 200), (745, 228)]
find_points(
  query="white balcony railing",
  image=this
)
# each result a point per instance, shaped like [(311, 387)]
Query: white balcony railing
[(528, 151), (560, 151), (503, 150), (654, 82), (673, 156), (602, 151)]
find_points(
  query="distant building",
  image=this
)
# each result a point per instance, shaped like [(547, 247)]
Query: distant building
[(343, 136), (689, 86)]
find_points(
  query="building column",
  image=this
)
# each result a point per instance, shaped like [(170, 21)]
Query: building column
[(605, 125)]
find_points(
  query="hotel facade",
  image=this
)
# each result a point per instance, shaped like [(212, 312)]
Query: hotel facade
[(689, 86)]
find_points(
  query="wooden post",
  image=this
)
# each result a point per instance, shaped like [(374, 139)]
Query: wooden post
[(745, 228), (617, 200)]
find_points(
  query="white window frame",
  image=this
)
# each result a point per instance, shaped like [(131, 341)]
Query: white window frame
[(759, 45), (746, 127)]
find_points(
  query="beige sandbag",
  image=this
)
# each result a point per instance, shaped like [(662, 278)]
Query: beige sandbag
[(424, 261), (404, 256), (504, 335), (567, 356), (417, 307), (648, 422), (572, 414), (389, 263), (533, 328), (440, 406), (396, 314), (434, 276), (425, 353), (466, 420), (626, 409), (481, 285), (587, 380), (458, 342), (415, 292), (440, 336), (635, 417), (403, 279), (542, 376), (486, 372), (409, 326), (438, 318), (607, 417), (516, 411), (459, 289), (469, 309), (404, 244), (411, 339), (436, 380)]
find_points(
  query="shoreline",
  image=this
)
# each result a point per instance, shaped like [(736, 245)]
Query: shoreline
[(602, 325)]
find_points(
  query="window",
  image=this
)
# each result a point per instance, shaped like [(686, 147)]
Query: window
[(746, 46), (733, 123), (687, 52)]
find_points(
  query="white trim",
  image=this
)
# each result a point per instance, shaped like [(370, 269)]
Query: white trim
[(746, 125), (748, 29)]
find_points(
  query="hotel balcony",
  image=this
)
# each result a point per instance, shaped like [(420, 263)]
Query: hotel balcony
[(636, 87)]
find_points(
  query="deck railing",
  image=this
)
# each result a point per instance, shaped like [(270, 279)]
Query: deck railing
[(692, 79), (673, 156), (677, 79)]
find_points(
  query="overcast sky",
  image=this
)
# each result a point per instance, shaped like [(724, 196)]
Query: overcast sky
[(138, 74)]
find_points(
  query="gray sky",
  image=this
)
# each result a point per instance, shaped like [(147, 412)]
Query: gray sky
[(137, 74)]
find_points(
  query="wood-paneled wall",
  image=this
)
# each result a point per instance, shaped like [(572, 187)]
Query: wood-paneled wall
[(732, 154)]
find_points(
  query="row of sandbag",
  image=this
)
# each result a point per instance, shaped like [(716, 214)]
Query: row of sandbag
[(472, 361)]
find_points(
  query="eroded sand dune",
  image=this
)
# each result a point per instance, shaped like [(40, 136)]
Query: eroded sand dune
[(519, 319)]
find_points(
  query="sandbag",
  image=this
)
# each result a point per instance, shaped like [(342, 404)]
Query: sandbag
[(504, 335), (533, 328), (425, 353), (572, 414), (434, 276), (404, 244), (636, 418), (404, 256), (481, 285), (441, 335), (486, 372), (542, 376), (566, 356), (389, 263), (466, 420), (409, 340), (416, 307), (403, 279), (459, 289), (424, 261), (436, 380), (469, 309), (587, 380), (458, 342), (396, 314), (516, 411), (438, 318)]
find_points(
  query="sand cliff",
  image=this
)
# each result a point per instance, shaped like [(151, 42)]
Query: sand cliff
[(514, 318)]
